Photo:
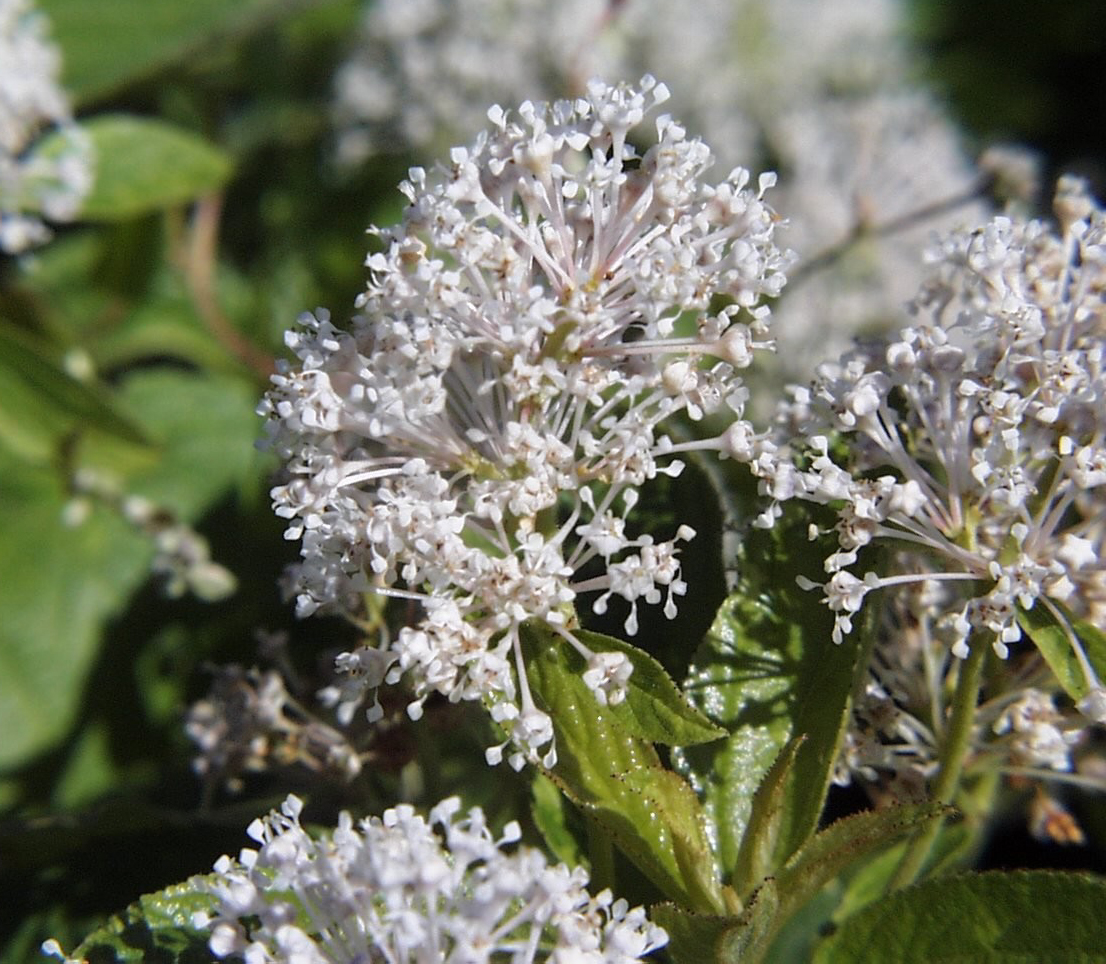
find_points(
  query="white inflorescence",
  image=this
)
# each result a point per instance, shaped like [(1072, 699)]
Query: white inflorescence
[(974, 442), (392, 889), (35, 183), (898, 723), (824, 93), (421, 67), (480, 436)]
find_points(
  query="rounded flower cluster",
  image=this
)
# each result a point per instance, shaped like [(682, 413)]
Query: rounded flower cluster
[(391, 889), (35, 183), (825, 93), (973, 444), (479, 436)]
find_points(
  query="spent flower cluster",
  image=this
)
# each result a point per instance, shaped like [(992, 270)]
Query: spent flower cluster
[(250, 723), (392, 889), (35, 182), (971, 446), (481, 434)]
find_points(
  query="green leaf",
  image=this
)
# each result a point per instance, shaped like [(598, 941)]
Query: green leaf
[(654, 708), (156, 927), (759, 854), (207, 427), (798, 934), (143, 164), (990, 918), (1052, 641), (107, 45), (871, 880), (769, 672), (832, 851), (696, 938), (825, 856), (61, 584), (41, 404), (617, 779), (548, 809)]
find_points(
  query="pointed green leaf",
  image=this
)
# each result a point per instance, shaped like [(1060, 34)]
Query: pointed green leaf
[(617, 778), (989, 918), (769, 672), (832, 851), (1052, 641), (871, 880), (143, 165), (41, 404), (826, 855), (654, 708), (156, 927), (759, 855)]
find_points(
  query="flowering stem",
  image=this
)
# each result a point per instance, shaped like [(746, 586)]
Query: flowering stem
[(955, 750)]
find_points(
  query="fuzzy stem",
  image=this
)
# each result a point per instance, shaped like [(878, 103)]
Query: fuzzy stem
[(954, 752)]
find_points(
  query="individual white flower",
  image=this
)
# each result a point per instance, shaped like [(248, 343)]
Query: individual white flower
[(35, 183), (406, 890), (975, 439), (476, 442)]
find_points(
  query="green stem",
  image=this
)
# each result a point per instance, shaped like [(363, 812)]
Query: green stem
[(953, 753)]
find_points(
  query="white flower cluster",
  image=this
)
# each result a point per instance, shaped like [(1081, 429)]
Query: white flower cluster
[(422, 68), (899, 722), (866, 182), (479, 437), (390, 889), (35, 183), (824, 93), (182, 557), (1035, 733), (975, 442)]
